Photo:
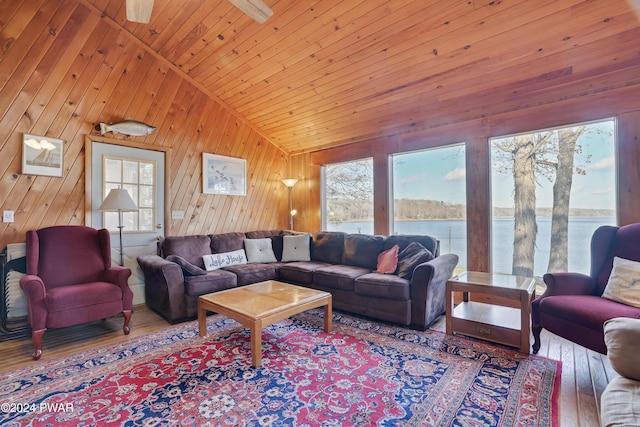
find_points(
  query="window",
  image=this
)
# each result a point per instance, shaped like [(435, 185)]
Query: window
[(138, 178), (348, 197), (429, 196), (551, 189)]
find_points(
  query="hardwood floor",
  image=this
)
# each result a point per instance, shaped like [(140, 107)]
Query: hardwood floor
[(585, 373)]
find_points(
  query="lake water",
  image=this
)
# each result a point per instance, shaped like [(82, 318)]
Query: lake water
[(453, 239)]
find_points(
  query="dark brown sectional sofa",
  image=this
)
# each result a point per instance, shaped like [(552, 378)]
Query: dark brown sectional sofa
[(342, 264)]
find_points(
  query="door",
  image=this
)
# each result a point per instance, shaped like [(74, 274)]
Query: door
[(142, 173)]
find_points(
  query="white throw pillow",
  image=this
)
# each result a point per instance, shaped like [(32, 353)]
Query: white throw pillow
[(296, 248), (224, 259), (259, 250), (624, 282)]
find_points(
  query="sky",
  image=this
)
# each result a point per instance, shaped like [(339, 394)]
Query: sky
[(439, 174)]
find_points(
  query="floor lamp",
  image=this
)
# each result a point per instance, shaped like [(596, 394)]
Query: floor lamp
[(118, 200), (290, 182)]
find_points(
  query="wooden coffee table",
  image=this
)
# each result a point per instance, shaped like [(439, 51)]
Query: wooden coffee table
[(260, 305), (505, 318)]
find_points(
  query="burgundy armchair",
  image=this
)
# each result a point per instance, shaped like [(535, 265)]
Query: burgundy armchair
[(70, 280), (572, 305)]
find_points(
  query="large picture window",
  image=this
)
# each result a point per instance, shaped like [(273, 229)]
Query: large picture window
[(348, 197), (429, 197), (550, 190)]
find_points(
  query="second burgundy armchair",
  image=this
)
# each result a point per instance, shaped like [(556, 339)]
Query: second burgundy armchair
[(572, 305), (70, 280)]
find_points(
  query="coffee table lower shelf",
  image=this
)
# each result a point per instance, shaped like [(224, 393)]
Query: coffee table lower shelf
[(488, 322)]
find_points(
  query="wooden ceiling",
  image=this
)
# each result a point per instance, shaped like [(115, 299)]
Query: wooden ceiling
[(324, 73)]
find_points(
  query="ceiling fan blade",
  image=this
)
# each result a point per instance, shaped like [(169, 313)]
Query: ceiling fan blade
[(139, 10), (256, 9)]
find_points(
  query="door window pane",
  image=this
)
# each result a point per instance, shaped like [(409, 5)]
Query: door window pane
[(550, 190), (130, 171), (112, 170), (138, 178)]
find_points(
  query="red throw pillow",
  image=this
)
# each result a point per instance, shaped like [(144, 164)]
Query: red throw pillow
[(388, 261)]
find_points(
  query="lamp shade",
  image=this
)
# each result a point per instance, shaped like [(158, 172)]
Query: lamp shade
[(118, 199), (289, 182)]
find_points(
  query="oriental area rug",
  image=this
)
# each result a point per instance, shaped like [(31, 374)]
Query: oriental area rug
[(363, 373)]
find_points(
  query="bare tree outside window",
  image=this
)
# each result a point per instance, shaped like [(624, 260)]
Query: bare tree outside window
[(562, 179), (349, 194)]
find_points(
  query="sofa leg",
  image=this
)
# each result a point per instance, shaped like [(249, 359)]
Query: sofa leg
[(36, 336), (127, 319), (536, 329)]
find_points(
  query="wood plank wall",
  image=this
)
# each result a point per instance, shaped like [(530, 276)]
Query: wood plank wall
[(63, 69), (620, 102)]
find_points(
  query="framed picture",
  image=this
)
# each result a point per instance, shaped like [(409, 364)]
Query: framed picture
[(224, 175), (42, 155)]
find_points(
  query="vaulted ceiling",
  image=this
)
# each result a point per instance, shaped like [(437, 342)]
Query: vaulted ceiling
[(324, 73)]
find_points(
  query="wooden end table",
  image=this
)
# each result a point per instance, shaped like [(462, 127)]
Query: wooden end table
[(260, 305), (506, 319)]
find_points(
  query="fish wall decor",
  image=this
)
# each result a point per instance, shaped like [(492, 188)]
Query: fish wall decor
[(127, 127)]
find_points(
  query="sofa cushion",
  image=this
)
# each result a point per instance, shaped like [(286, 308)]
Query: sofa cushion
[(300, 272), (383, 286), (619, 403), (622, 337), (191, 248), (227, 242), (624, 282), (571, 309), (410, 257), (338, 276), (362, 250), (259, 250), (213, 281), (276, 245), (253, 273), (68, 298), (327, 246), (226, 259), (388, 261), (296, 248), (263, 234), (404, 240), (187, 268)]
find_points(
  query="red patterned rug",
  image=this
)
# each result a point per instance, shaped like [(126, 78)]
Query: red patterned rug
[(362, 374)]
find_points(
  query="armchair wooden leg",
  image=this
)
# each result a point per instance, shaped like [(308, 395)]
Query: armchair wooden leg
[(36, 336), (536, 329), (127, 319)]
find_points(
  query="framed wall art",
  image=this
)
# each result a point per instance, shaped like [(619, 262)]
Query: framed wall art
[(42, 155), (224, 175)]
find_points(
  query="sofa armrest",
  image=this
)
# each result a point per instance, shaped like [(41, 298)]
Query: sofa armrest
[(156, 262), (568, 284), (619, 402), (622, 337), (428, 289), (164, 286)]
